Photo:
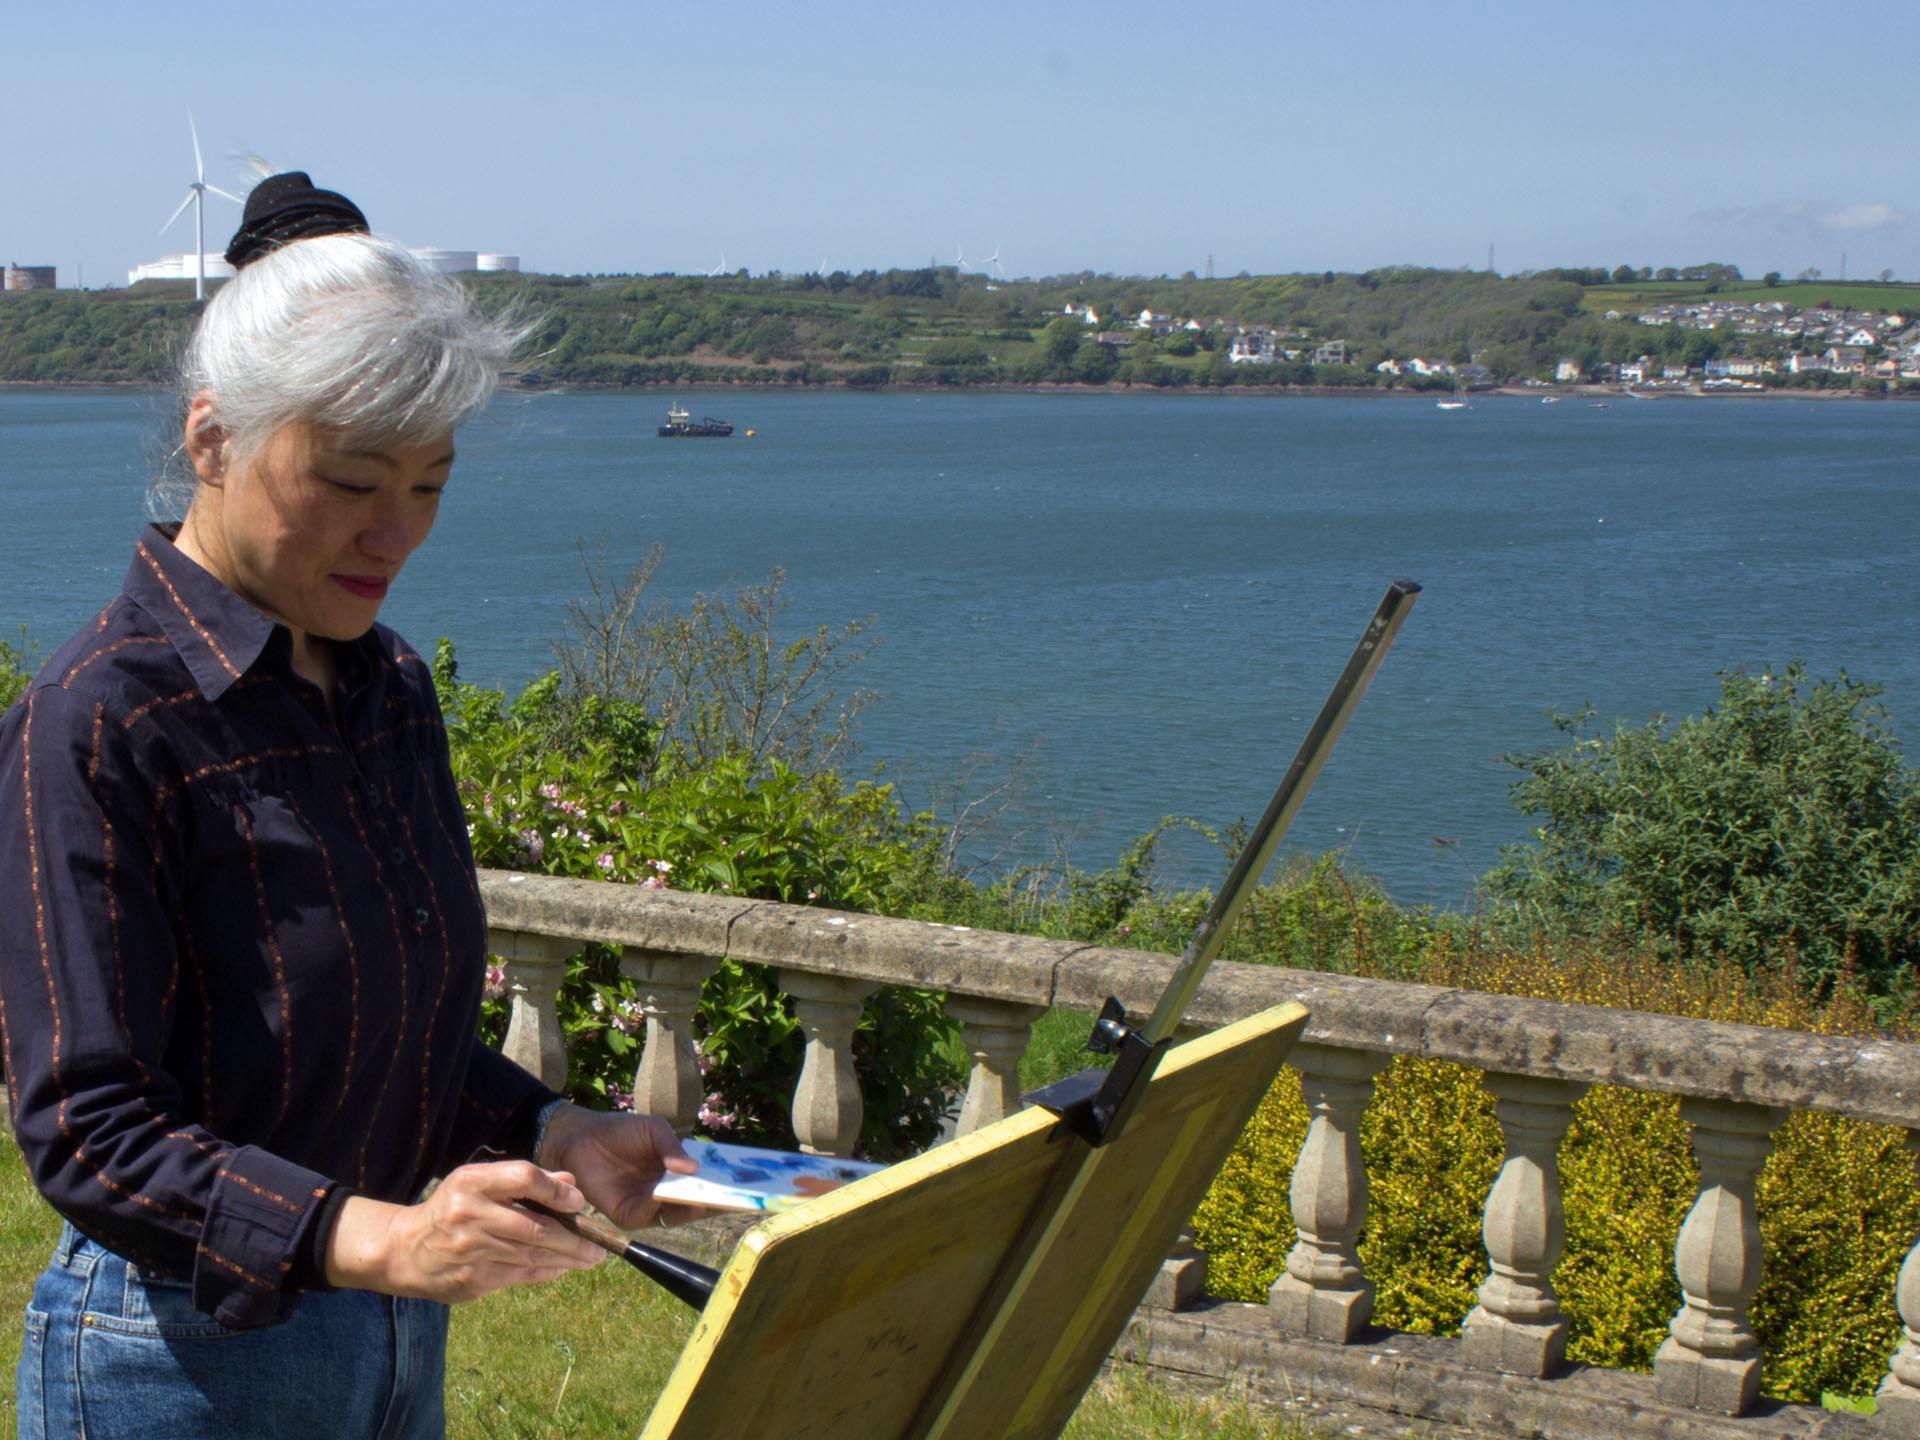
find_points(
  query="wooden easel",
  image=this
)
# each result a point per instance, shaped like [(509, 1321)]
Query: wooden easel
[(972, 1292)]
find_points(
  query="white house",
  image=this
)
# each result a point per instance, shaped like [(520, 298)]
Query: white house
[(1086, 314), (1255, 347), (1567, 372), (1333, 352)]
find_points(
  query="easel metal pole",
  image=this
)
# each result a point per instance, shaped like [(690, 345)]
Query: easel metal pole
[(1080, 1165), (1258, 852)]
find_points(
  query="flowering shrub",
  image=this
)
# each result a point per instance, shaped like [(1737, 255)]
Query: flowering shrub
[(553, 785)]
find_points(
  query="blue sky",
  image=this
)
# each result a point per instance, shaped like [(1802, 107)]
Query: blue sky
[(1126, 137)]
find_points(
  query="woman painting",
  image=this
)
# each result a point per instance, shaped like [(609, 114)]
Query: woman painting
[(241, 943)]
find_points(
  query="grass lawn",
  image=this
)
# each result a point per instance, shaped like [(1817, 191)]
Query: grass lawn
[(1801, 295), (585, 1356)]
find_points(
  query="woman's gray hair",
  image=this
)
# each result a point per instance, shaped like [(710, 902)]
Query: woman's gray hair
[(346, 332)]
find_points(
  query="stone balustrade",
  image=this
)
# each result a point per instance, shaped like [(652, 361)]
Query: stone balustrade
[(1735, 1083)]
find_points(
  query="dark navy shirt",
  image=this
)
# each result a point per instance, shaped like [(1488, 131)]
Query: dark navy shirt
[(241, 945)]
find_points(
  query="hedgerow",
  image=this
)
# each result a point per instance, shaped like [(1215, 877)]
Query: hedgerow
[(1838, 1199)]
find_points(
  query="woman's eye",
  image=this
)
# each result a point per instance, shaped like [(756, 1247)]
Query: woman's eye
[(429, 490), (350, 487)]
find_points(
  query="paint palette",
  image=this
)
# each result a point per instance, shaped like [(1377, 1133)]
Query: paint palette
[(746, 1177)]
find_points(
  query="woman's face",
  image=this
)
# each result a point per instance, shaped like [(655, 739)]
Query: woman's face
[(314, 528)]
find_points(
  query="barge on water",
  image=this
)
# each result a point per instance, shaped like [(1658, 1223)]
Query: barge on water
[(681, 425)]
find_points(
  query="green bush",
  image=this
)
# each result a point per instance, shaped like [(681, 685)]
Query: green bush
[(1781, 823), (1313, 916), (17, 667), (553, 784), (1838, 1199)]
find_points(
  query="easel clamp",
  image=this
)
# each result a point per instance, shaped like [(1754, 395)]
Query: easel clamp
[(1094, 1104)]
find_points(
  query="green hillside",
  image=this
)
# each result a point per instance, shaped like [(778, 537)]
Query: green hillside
[(939, 327)]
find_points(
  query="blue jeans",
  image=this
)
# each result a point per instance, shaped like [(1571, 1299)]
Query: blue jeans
[(112, 1350)]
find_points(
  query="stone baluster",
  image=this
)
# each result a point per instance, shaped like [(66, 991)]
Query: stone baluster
[(1517, 1327), (667, 1081), (826, 1105), (1898, 1399), (1710, 1359), (536, 967), (1324, 1293), (995, 1033)]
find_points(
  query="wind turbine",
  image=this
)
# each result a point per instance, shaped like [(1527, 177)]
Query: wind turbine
[(719, 269), (999, 270), (197, 197), (960, 258)]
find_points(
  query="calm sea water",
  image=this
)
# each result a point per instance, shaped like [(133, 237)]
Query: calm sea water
[(1143, 599)]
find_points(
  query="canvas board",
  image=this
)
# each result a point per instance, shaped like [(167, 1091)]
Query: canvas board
[(842, 1317)]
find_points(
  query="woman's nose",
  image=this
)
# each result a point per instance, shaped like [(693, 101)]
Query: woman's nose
[(385, 540)]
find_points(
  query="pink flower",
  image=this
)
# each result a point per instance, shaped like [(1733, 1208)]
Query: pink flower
[(550, 790), (715, 1115), (533, 843), (496, 986), (619, 1099), (654, 882), (604, 860)]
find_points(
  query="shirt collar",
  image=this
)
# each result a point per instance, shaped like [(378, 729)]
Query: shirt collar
[(217, 634)]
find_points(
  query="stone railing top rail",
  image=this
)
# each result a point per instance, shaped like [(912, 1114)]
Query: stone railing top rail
[(1865, 1078)]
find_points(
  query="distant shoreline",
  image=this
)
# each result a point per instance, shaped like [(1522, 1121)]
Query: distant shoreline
[(1289, 392)]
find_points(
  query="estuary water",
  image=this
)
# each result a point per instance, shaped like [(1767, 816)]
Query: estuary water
[(1139, 601)]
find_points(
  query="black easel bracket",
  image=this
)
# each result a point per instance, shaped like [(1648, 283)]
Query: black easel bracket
[(1095, 1104)]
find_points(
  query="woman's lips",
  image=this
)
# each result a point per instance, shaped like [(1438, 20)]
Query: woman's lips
[(367, 587)]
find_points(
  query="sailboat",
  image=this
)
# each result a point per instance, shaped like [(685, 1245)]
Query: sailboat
[(1459, 400)]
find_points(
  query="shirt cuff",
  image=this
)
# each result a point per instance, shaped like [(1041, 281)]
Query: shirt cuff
[(540, 1119), (310, 1258), (256, 1223)]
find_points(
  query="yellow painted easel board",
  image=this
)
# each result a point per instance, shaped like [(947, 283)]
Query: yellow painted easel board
[(842, 1317)]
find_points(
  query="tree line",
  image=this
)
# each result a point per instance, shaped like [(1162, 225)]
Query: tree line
[(940, 326)]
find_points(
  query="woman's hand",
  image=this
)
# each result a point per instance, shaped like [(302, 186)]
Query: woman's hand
[(617, 1159), (465, 1240)]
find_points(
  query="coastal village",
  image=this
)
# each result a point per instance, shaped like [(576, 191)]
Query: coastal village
[(1777, 339)]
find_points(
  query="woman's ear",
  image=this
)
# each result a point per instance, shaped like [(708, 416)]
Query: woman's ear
[(205, 440)]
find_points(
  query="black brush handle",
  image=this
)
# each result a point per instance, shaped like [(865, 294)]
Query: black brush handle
[(680, 1277)]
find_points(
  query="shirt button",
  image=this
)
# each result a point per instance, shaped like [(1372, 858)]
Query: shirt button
[(420, 918), (399, 856)]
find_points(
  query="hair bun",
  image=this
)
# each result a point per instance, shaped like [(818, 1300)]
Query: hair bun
[(285, 208)]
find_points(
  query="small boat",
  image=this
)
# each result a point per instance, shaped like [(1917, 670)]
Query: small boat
[(1549, 399), (1450, 405), (682, 426)]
